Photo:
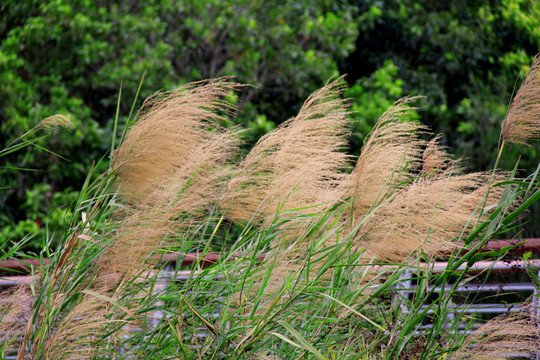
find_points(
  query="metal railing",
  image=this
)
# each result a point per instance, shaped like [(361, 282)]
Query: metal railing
[(470, 297), (12, 274)]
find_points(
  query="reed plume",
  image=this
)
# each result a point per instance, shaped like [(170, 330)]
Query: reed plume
[(522, 122), (436, 161), (138, 236), (171, 167), (407, 192), (392, 155), (76, 334), (514, 334), (16, 307), (177, 147), (429, 215), (51, 122), (299, 165)]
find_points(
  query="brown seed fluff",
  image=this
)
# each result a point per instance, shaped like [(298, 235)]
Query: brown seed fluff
[(300, 165), (523, 120)]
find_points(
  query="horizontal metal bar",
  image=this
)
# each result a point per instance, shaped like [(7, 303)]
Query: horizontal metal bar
[(475, 288), (475, 309), (188, 259), (497, 266)]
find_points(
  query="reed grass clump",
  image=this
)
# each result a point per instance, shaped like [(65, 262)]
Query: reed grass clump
[(390, 157), (508, 336), (294, 174), (171, 167), (410, 195), (164, 176), (301, 165), (337, 242), (177, 147)]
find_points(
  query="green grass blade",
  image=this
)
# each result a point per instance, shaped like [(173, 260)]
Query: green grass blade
[(304, 343), (116, 117)]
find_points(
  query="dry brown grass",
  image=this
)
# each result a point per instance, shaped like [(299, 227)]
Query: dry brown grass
[(503, 337), (171, 165), (300, 164), (391, 156), (177, 147), (523, 120), (408, 192), (428, 215), (16, 307), (436, 162)]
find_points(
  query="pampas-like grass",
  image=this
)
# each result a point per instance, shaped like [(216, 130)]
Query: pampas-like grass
[(523, 120), (505, 337), (436, 162), (171, 167), (407, 192), (139, 234), (392, 155), (76, 333), (298, 166), (16, 306), (301, 164), (177, 145), (428, 215)]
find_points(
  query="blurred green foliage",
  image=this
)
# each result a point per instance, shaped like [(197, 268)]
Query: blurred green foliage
[(465, 57), (71, 57)]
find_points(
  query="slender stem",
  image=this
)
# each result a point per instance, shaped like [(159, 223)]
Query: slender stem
[(499, 155), (495, 167), (113, 141)]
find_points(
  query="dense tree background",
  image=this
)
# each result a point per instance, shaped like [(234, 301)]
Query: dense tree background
[(70, 57)]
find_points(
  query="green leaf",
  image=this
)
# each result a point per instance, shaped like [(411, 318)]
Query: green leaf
[(304, 344)]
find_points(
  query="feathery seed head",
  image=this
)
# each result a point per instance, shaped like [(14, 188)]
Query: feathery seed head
[(48, 124), (300, 164), (177, 138), (391, 156), (436, 161), (516, 332), (429, 214), (523, 120), (171, 167)]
